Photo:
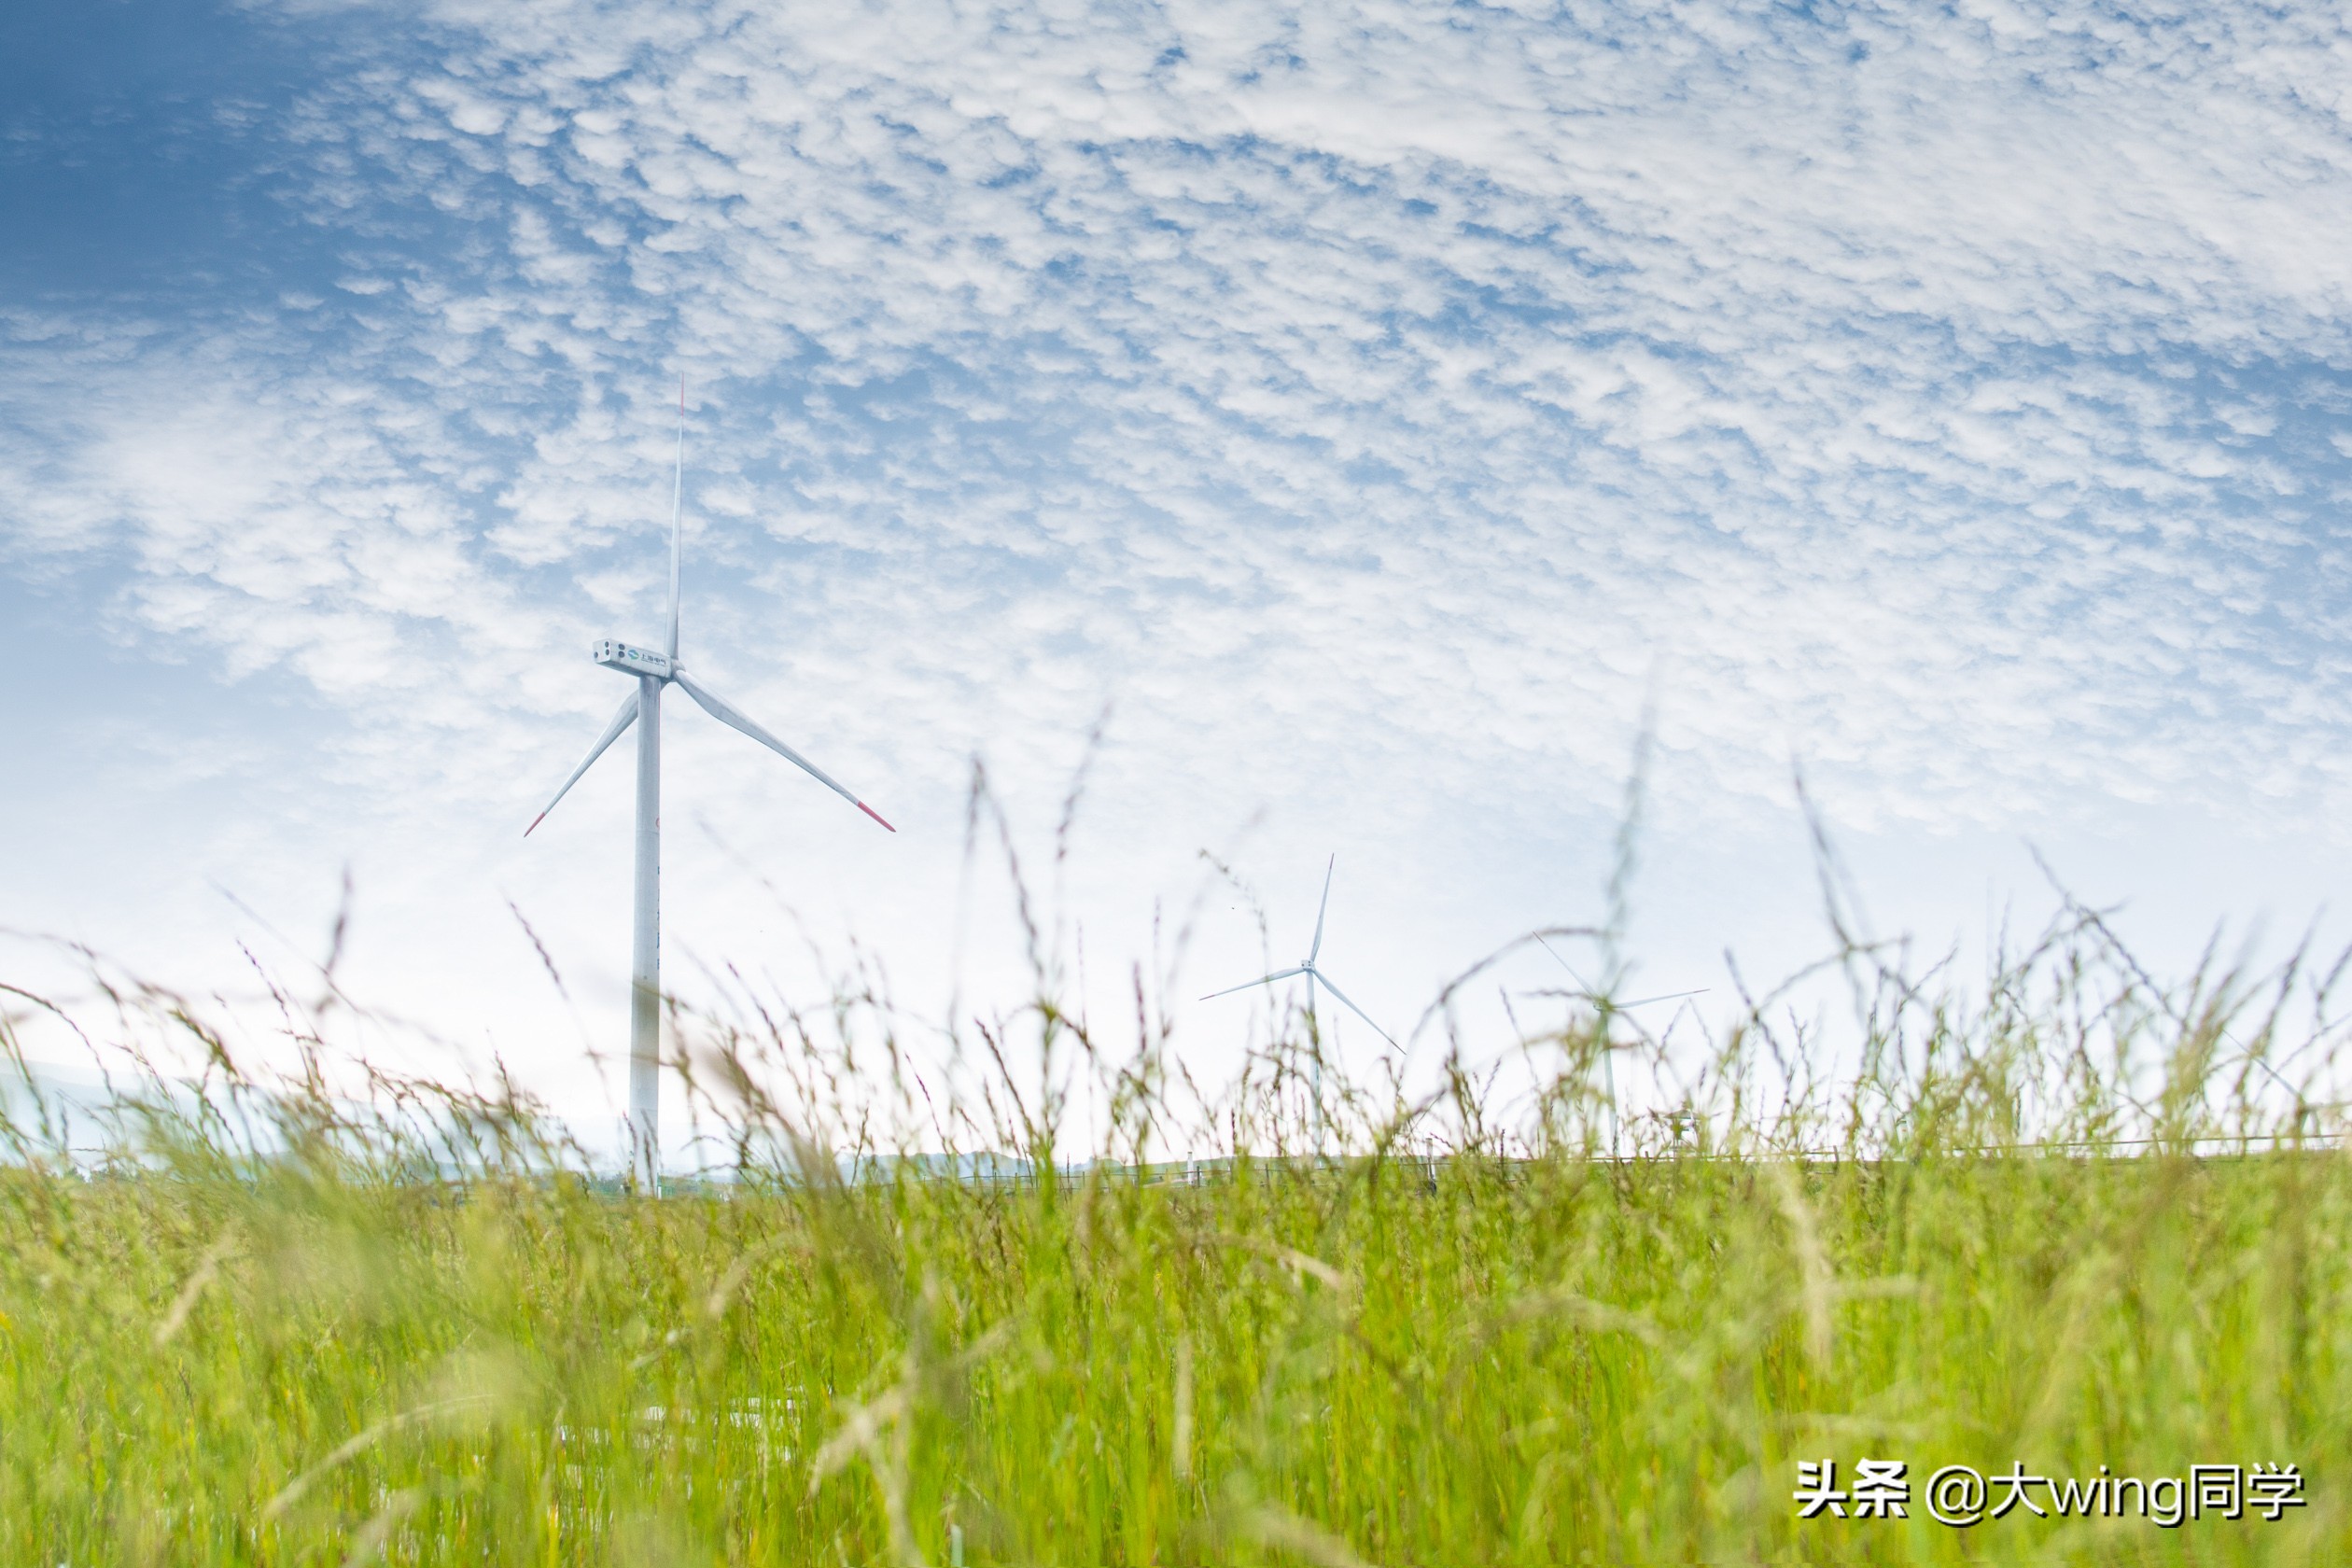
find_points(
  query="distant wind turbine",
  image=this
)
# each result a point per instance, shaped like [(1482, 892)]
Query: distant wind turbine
[(1307, 967), (653, 671), (1608, 1005)]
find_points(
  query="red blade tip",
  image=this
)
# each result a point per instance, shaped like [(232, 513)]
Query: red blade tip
[(534, 822), (876, 815)]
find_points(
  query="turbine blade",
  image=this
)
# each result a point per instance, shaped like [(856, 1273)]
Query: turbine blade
[(1590, 994), (677, 518), (1262, 980), (1316, 951), (1670, 996), (620, 721), (718, 709), (1354, 1009), (1561, 962)]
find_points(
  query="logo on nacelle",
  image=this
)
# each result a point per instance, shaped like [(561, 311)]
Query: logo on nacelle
[(632, 660)]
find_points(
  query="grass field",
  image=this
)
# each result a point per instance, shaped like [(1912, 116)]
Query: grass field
[(2075, 1222)]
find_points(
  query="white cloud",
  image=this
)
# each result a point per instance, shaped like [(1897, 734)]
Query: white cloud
[(1369, 399)]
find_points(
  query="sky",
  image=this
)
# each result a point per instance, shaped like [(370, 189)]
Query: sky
[(1375, 417)]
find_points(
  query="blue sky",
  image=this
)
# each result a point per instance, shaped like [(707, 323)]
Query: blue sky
[(1376, 406)]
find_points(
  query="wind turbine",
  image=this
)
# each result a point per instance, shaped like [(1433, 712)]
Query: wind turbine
[(1607, 1006), (649, 672), (1307, 967)]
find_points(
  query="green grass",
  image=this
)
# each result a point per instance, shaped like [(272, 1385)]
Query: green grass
[(1467, 1338)]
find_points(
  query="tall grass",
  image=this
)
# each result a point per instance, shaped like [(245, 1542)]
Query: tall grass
[(2077, 1219)]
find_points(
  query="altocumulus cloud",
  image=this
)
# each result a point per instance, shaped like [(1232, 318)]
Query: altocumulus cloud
[(1956, 397)]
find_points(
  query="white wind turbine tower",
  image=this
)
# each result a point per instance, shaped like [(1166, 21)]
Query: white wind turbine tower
[(651, 672), (1307, 967)]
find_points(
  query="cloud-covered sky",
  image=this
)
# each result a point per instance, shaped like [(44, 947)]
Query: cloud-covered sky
[(1375, 404)]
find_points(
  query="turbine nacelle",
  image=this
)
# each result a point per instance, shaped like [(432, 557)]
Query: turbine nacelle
[(629, 659)]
